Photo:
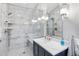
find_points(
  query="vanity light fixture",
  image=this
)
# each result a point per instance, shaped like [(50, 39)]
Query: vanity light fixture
[(64, 12), (34, 21), (39, 19), (44, 17)]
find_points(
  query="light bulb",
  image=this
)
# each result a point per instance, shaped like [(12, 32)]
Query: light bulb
[(46, 18), (34, 21), (39, 18), (64, 11), (43, 17)]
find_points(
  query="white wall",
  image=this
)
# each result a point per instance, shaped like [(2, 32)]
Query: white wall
[(71, 25), (69, 29), (3, 43), (74, 16)]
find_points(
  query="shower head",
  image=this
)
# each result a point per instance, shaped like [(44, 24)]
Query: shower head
[(9, 13)]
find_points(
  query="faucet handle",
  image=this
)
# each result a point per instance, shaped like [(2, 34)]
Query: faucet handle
[(48, 37)]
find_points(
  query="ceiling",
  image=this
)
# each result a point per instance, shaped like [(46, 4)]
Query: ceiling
[(37, 7), (31, 10)]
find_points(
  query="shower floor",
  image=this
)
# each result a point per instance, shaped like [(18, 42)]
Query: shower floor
[(21, 52)]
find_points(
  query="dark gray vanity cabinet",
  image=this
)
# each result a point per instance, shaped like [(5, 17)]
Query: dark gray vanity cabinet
[(47, 53), (40, 51), (35, 49), (63, 53)]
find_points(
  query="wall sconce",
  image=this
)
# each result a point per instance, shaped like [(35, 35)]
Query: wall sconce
[(64, 12)]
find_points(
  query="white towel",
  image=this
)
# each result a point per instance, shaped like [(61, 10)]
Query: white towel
[(71, 50), (73, 46), (77, 47)]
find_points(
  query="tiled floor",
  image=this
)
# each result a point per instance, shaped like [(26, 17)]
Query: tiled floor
[(21, 52)]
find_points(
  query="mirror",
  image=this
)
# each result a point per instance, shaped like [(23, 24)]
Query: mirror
[(54, 25)]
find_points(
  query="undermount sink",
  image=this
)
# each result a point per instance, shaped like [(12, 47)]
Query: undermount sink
[(43, 41)]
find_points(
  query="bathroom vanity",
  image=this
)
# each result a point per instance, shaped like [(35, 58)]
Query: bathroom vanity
[(44, 47)]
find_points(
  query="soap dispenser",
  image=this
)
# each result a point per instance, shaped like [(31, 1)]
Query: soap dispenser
[(62, 42)]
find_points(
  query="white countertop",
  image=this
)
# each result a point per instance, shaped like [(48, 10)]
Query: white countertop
[(53, 46)]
